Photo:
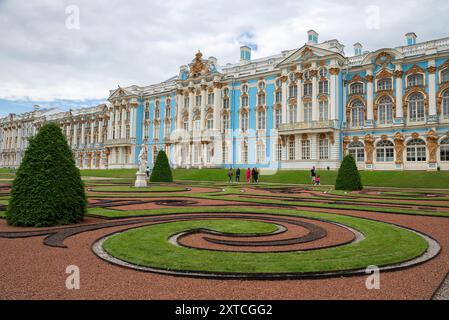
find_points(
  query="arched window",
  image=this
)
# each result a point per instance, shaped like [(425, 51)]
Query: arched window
[(445, 103), (384, 151), (210, 98), (357, 151), (357, 114), (357, 88), (415, 80), (416, 107), (156, 113), (245, 88), (444, 149), (210, 121), (307, 89), (278, 96), (416, 150), (226, 103), (445, 76), (261, 99), (385, 110), (197, 124), (185, 123), (261, 119), (244, 121), (168, 111), (262, 85), (198, 100), (384, 84)]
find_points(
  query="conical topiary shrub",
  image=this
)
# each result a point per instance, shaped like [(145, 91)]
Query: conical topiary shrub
[(48, 189), (348, 175), (161, 170)]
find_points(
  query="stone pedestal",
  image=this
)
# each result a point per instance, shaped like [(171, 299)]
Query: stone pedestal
[(141, 180)]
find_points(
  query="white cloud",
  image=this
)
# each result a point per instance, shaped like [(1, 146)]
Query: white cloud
[(144, 42)]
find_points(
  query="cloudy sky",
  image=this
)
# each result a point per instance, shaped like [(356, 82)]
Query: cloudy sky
[(47, 57)]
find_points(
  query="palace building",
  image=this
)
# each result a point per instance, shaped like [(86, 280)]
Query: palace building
[(305, 107)]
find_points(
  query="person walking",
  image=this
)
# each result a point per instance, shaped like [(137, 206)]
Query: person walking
[(256, 175), (230, 174), (237, 175), (148, 172), (248, 175), (313, 174), (318, 180)]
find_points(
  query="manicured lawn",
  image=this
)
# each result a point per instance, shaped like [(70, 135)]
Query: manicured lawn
[(133, 189), (383, 244), (398, 179), (2, 214)]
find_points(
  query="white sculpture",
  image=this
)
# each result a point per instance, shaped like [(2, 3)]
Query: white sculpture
[(141, 176)]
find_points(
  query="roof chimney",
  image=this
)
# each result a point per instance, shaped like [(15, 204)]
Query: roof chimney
[(411, 38), (245, 53), (312, 37), (358, 49)]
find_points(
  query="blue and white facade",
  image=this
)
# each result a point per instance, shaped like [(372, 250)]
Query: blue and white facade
[(304, 107)]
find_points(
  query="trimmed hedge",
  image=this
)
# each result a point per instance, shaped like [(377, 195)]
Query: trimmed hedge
[(48, 189), (348, 177), (161, 169)]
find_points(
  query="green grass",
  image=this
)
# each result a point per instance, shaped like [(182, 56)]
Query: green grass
[(110, 173), (133, 189), (383, 244), (2, 214)]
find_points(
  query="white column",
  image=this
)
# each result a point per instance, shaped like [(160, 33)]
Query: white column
[(432, 89), (284, 99), (333, 93), (398, 76), (180, 106), (92, 127), (299, 100), (315, 108), (191, 102), (203, 106), (82, 133), (217, 107), (370, 97), (100, 131)]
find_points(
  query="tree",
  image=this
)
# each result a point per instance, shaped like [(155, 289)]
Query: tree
[(161, 170), (348, 175), (48, 189)]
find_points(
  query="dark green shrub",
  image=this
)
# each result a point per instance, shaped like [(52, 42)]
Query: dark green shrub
[(161, 169), (48, 189), (348, 177)]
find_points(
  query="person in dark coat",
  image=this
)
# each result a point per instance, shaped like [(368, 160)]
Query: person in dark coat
[(237, 175)]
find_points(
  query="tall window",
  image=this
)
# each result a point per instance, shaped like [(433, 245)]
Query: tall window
[(167, 126), (224, 152), (167, 111), (291, 149), (261, 99), (445, 103), (416, 107), (147, 114), (185, 123), (384, 151), (244, 121), (384, 84), (186, 101), (278, 97), (278, 117), (307, 89), (445, 76), (210, 121), (323, 87), (279, 152), (226, 103), (357, 114), (444, 149), (292, 91), (244, 152), (197, 124), (416, 150), (292, 113), (127, 131), (357, 151), (357, 88), (244, 101), (385, 110), (415, 80), (198, 100), (323, 146), (305, 149), (324, 110), (156, 129), (146, 131), (156, 113), (261, 120), (307, 112), (226, 123), (210, 98), (260, 153)]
